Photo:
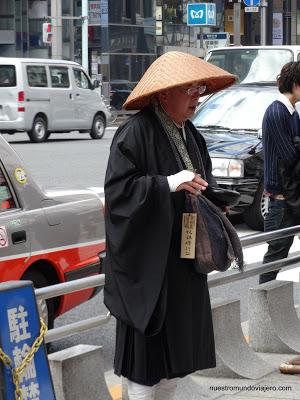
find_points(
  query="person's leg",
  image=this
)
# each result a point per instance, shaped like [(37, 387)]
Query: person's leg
[(165, 389), (279, 217), (140, 392)]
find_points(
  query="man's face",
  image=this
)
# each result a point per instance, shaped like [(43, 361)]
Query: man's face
[(238, 67), (296, 92), (179, 103)]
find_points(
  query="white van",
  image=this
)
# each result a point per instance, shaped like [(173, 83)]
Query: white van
[(41, 96), (253, 63)]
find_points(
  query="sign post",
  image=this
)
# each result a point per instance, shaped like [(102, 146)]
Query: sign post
[(19, 329), (263, 22), (216, 39), (56, 12), (237, 24), (252, 6), (201, 14)]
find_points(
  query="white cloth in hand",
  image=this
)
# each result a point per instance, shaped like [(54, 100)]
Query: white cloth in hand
[(179, 178)]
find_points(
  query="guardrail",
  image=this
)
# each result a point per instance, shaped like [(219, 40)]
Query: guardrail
[(49, 292), (213, 281)]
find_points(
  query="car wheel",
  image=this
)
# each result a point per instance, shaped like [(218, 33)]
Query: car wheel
[(45, 307), (255, 214), (98, 127), (39, 131)]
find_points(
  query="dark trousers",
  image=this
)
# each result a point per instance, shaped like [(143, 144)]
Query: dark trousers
[(279, 217)]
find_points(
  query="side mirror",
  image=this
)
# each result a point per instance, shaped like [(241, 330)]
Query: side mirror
[(96, 84)]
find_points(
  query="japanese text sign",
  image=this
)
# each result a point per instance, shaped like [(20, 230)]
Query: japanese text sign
[(19, 327)]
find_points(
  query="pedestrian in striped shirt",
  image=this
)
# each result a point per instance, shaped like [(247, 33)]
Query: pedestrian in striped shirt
[(281, 124)]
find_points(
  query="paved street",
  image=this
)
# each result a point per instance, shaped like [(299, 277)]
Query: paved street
[(66, 160)]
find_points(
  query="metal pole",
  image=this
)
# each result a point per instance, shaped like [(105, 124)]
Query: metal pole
[(201, 37), (56, 11), (293, 23), (85, 53), (72, 31), (287, 22), (76, 327), (237, 23), (263, 23)]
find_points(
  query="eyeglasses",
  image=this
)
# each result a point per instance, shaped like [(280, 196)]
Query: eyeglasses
[(192, 91)]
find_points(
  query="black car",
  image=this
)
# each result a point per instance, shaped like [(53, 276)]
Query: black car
[(231, 122), (119, 91)]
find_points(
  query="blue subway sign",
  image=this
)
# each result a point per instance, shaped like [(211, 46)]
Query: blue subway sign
[(200, 14), (251, 3), (19, 327)]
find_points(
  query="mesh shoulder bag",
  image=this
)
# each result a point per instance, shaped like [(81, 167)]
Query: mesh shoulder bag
[(217, 244)]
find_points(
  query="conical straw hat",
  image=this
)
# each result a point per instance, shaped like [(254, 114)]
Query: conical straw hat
[(176, 69)]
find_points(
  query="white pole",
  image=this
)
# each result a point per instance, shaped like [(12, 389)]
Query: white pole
[(57, 29), (237, 23), (85, 53), (263, 23)]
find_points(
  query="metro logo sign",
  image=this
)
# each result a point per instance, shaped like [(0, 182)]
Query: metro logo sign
[(201, 14), (197, 14)]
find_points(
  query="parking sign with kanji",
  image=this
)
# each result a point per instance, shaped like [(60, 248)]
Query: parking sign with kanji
[(19, 327)]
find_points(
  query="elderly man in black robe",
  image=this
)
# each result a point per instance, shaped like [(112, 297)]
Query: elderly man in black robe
[(162, 305)]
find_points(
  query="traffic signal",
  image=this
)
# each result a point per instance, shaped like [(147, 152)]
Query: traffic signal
[(47, 32)]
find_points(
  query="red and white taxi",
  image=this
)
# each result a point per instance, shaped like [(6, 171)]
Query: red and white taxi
[(47, 237)]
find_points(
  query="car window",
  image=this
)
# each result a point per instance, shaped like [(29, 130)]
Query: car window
[(81, 79), (59, 77), (251, 65), (7, 76), (6, 199), (36, 76), (239, 108)]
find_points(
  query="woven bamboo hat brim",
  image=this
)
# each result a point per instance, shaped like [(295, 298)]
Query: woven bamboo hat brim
[(174, 69)]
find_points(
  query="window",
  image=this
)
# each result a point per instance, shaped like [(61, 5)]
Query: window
[(59, 77), (131, 39), (36, 76), (82, 81), (239, 109), (251, 65), (6, 200), (129, 67), (7, 75)]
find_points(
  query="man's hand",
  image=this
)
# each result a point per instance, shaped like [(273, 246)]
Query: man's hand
[(195, 186)]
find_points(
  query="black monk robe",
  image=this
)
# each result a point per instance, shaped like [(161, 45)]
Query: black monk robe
[(162, 306)]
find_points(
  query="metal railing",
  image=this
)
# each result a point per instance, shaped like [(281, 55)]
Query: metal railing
[(214, 280), (49, 292)]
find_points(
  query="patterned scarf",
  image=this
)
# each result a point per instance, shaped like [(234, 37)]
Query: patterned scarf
[(173, 134)]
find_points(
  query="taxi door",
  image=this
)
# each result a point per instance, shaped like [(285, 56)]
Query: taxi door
[(14, 234)]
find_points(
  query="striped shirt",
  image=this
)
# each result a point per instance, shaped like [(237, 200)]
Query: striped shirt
[(280, 126)]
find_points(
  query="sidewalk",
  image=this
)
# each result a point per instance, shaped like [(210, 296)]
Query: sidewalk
[(275, 386), (272, 386)]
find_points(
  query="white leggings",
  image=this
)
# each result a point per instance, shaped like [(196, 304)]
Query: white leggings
[(164, 390)]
